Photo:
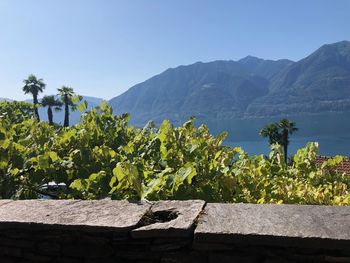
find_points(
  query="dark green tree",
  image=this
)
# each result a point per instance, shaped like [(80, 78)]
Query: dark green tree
[(34, 86), (271, 131), (67, 97), (287, 128), (51, 102), (279, 132)]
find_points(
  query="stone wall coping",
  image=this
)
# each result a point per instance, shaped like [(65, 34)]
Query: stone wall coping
[(212, 223), (277, 225), (119, 216)]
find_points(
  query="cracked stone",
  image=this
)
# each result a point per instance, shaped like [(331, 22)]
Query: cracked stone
[(182, 226)]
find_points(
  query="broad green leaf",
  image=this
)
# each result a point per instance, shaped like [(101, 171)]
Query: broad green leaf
[(119, 172), (77, 185), (53, 156), (43, 162), (4, 144), (82, 106), (187, 172), (76, 99), (103, 105)]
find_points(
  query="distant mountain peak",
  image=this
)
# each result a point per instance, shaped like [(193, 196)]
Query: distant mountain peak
[(342, 43), (252, 59), (249, 59), (249, 87), (342, 48), (4, 99)]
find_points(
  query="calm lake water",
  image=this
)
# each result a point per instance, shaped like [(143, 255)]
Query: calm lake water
[(330, 130)]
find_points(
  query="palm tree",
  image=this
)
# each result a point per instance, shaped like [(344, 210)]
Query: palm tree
[(34, 86), (271, 131), (51, 102), (287, 128), (67, 95)]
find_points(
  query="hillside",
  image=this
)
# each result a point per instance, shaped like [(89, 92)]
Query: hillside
[(250, 87), (317, 83), (4, 99)]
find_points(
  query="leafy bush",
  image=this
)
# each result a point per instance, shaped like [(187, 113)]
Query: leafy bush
[(103, 156)]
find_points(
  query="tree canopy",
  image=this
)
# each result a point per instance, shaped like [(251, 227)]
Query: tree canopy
[(34, 86)]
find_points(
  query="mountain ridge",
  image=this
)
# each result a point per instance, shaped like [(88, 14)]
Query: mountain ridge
[(249, 87), (4, 99)]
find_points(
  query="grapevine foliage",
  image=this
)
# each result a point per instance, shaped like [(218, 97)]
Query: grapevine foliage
[(103, 156)]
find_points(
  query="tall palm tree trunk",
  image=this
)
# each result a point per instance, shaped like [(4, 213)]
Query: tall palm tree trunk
[(66, 111), (285, 145), (285, 149), (35, 101), (50, 115)]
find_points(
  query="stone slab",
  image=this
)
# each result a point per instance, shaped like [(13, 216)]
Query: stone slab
[(5, 201), (182, 226), (282, 225), (115, 215)]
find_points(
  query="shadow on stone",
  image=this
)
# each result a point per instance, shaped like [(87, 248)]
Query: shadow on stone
[(158, 217)]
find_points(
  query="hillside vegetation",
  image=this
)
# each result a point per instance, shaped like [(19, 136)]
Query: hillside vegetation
[(103, 156)]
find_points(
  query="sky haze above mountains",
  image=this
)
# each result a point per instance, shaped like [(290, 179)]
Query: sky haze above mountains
[(102, 48)]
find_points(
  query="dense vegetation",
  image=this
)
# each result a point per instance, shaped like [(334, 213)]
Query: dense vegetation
[(103, 156)]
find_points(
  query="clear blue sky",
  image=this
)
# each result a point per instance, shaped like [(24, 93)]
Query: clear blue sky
[(101, 48)]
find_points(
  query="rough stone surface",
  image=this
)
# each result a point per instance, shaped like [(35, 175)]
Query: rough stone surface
[(290, 225), (31, 233), (5, 201), (182, 226), (116, 215)]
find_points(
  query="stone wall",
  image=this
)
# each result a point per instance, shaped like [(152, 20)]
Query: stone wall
[(171, 231)]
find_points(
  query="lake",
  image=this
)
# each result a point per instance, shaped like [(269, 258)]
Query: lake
[(330, 130)]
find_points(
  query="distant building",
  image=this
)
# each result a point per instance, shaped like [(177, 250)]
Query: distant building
[(344, 167)]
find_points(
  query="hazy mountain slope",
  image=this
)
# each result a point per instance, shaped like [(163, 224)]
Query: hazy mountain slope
[(250, 87), (265, 68), (4, 99), (215, 89), (319, 82)]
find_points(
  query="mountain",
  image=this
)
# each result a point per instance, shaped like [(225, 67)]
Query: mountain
[(317, 83), (4, 99), (219, 89), (250, 87)]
